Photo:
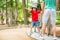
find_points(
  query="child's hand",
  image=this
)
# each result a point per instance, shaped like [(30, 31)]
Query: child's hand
[(25, 8), (30, 16)]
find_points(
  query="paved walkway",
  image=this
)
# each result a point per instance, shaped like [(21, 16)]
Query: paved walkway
[(14, 34), (37, 36), (45, 37), (19, 34)]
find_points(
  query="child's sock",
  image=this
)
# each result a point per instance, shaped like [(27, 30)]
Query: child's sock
[(34, 30)]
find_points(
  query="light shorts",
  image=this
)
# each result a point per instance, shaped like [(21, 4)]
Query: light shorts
[(49, 13)]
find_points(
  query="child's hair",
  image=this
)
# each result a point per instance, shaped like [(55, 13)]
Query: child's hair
[(35, 8), (39, 6)]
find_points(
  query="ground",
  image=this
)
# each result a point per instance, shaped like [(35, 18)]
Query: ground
[(14, 34), (18, 34)]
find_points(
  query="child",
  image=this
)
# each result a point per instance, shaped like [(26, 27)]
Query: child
[(35, 22)]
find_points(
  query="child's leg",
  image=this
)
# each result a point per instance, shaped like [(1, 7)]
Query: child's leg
[(37, 26), (34, 28), (31, 29), (32, 25)]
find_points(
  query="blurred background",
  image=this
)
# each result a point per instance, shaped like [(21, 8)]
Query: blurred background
[(16, 19), (13, 12)]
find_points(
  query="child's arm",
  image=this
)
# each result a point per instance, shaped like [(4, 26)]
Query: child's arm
[(39, 12), (27, 9)]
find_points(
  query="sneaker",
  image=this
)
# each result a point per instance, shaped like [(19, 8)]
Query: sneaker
[(35, 35), (55, 38), (41, 38), (39, 34), (28, 32)]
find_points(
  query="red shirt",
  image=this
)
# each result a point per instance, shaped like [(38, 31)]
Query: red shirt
[(35, 15)]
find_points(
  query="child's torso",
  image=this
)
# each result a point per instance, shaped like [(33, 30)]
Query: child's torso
[(34, 15)]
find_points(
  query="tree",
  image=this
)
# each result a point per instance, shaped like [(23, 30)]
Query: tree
[(9, 6), (16, 1), (6, 12), (2, 10), (38, 4), (2, 19), (12, 14), (25, 12), (59, 6)]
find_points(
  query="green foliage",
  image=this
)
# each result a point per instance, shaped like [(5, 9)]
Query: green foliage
[(19, 6), (58, 18), (11, 3), (59, 5)]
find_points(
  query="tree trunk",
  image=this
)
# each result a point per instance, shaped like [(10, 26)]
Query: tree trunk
[(38, 1), (6, 13), (38, 5), (12, 15), (59, 6), (2, 19), (16, 1), (25, 12)]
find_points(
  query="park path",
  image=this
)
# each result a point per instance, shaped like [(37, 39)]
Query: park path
[(10, 33), (14, 34), (19, 34)]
